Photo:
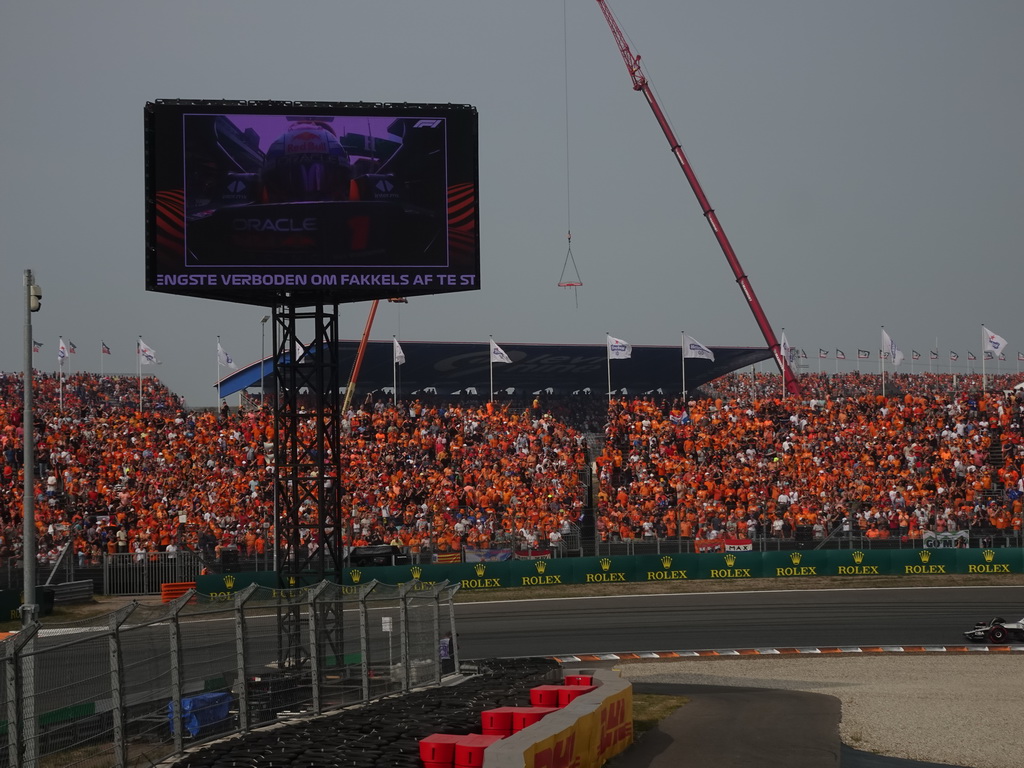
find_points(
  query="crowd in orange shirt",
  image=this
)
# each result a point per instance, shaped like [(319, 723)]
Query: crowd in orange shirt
[(749, 463), (742, 461), (114, 478)]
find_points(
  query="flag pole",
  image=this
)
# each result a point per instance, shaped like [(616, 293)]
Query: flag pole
[(394, 370), (608, 362), (220, 387), (785, 354), (683, 350), (983, 381), (138, 367), (490, 364), (881, 362), (60, 373)]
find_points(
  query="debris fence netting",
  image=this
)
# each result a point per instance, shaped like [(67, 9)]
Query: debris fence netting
[(145, 683)]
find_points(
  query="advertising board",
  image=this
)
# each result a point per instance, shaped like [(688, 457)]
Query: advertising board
[(309, 202)]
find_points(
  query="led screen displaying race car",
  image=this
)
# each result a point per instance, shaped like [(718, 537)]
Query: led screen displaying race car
[(292, 202)]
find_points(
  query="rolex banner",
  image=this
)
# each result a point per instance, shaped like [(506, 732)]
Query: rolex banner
[(621, 569), (730, 565), (675, 567), (795, 564)]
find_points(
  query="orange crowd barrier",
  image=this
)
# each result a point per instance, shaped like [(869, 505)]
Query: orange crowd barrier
[(175, 589)]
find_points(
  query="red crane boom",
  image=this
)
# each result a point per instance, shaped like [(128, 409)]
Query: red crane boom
[(640, 84)]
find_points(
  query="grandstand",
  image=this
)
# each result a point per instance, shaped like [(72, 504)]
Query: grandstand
[(540, 474)]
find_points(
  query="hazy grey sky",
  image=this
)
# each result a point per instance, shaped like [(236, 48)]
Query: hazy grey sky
[(865, 159)]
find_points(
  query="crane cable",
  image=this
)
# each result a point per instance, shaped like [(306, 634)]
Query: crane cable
[(562, 281)]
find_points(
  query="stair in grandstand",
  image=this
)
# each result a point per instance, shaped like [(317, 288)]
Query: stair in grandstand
[(588, 530), (995, 454), (996, 460)]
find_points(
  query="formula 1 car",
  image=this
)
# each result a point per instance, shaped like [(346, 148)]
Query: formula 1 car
[(997, 631)]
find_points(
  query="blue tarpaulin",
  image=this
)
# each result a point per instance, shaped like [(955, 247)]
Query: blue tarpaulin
[(201, 710)]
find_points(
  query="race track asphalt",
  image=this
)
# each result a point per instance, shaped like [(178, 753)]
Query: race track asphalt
[(737, 727)]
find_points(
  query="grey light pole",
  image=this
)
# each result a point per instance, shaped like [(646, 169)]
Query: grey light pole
[(263, 358), (263, 392), (30, 609)]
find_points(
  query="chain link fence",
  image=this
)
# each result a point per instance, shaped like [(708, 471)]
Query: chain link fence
[(144, 683)]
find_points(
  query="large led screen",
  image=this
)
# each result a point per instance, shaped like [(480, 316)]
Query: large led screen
[(297, 203)]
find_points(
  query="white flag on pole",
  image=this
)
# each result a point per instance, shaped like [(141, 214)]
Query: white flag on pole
[(693, 348), (991, 342), (889, 347), (62, 350), (223, 358), (498, 355), (619, 349), (787, 351), (147, 354), (399, 354)]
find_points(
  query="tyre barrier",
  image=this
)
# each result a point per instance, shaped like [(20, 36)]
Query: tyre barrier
[(385, 732)]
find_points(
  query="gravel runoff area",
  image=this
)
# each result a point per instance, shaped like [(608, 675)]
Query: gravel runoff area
[(955, 708)]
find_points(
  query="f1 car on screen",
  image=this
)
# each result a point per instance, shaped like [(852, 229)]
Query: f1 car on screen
[(998, 630), (315, 198)]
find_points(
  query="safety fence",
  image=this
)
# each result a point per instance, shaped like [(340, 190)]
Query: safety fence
[(807, 540), (127, 573), (141, 684)]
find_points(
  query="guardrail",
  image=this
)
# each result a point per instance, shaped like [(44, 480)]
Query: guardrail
[(74, 591)]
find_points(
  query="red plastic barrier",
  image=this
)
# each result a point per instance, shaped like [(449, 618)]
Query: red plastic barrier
[(545, 695), (469, 750), (497, 721), (524, 717), (567, 693), (438, 749)]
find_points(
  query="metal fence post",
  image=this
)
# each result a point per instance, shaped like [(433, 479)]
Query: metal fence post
[(176, 678), (315, 651), (437, 632), (451, 622), (364, 636), (16, 715), (243, 693), (403, 638), (117, 697)]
